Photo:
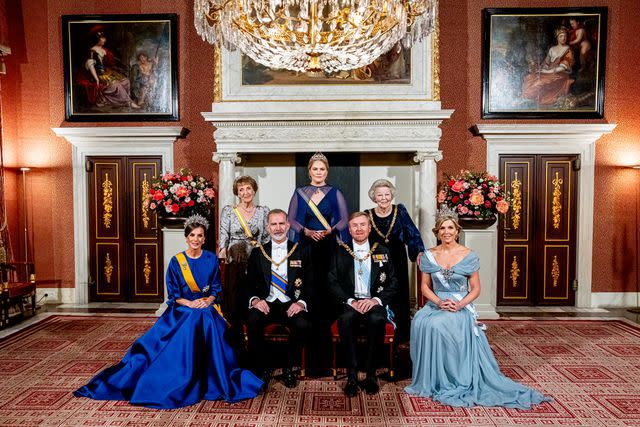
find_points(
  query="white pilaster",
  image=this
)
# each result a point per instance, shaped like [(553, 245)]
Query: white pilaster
[(173, 241), (107, 141), (556, 139), (226, 176), (427, 191), (485, 244)]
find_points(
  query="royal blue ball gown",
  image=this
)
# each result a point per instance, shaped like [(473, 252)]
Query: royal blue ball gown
[(183, 358), (452, 360)]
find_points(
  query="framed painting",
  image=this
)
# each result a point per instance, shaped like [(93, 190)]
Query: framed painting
[(400, 74), (120, 67), (544, 63)]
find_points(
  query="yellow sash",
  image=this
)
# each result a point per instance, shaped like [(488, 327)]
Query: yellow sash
[(315, 210), (244, 225), (186, 272), (187, 275)]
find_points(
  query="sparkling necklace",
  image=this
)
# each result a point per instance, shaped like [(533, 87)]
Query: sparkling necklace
[(277, 264), (356, 257), (393, 221)]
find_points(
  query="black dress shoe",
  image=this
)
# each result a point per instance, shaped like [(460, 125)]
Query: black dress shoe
[(289, 378), (370, 385), (351, 389)]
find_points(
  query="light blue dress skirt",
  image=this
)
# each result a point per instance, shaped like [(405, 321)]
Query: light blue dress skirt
[(452, 361)]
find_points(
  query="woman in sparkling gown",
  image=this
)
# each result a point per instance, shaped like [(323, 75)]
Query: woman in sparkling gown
[(452, 361), (183, 358), (394, 228), (318, 215), (242, 228)]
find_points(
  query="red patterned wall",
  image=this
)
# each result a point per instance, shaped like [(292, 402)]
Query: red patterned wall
[(32, 94)]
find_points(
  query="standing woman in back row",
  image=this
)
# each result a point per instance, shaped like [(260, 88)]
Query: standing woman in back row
[(242, 227), (318, 215), (394, 228)]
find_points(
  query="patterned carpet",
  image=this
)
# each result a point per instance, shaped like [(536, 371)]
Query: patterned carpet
[(591, 368)]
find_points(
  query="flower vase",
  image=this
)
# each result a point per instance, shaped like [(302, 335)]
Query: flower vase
[(476, 223), (170, 221)]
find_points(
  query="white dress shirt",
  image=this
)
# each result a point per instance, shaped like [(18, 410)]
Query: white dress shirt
[(362, 281), (278, 252)]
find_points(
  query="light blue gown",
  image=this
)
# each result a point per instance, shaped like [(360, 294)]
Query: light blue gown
[(452, 361)]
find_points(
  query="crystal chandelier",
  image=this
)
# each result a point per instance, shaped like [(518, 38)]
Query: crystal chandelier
[(314, 35)]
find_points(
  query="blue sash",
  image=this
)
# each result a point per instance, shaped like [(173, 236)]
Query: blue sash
[(279, 282)]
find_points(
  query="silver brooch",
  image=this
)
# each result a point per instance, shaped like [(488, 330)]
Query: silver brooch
[(206, 288), (447, 273), (383, 277), (380, 289)]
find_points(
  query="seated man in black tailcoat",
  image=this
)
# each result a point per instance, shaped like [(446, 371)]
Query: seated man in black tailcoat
[(362, 281), (279, 276)]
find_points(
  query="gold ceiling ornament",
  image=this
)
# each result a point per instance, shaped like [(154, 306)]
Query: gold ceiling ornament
[(515, 272), (146, 269), (145, 201), (108, 268), (556, 205), (107, 201), (555, 271), (314, 35), (516, 204)]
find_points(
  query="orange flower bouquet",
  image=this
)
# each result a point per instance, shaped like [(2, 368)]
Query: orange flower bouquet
[(181, 194), (474, 194)]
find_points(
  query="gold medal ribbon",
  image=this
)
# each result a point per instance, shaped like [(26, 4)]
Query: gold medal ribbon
[(245, 226), (393, 221)]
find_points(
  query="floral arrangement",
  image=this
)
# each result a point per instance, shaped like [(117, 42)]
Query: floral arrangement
[(474, 194), (181, 194)]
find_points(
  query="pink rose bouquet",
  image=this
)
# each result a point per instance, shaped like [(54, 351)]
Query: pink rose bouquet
[(474, 194), (181, 194)]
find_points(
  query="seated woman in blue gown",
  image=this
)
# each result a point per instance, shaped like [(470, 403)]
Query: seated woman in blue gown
[(183, 358), (452, 361)]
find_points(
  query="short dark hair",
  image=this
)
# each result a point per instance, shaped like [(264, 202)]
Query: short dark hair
[(192, 226), (244, 179), (277, 212), (356, 214)]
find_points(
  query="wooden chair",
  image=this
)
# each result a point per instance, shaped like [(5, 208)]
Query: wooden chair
[(19, 285), (277, 333), (389, 338)]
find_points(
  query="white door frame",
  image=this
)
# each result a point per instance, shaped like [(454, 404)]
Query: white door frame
[(106, 141)]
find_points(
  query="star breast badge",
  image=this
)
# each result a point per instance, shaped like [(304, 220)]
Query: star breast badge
[(380, 289), (297, 283), (383, 277), (296, 294)]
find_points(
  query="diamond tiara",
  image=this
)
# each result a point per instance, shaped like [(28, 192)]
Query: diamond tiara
[(197, 219), (319, 156), (445, 212)]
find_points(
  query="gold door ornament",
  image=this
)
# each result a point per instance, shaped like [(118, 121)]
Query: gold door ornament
[(555, 271), (145, 201), (107, 201), (108, 268), (556, 206), (515, 272), (516, 204), (147, 269)]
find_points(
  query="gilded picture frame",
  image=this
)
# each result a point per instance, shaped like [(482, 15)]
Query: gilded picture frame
[(120, 67), (419, 81), (544, 63)]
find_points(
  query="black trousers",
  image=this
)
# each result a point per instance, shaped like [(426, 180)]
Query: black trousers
[(299, 329), (349, 323)]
